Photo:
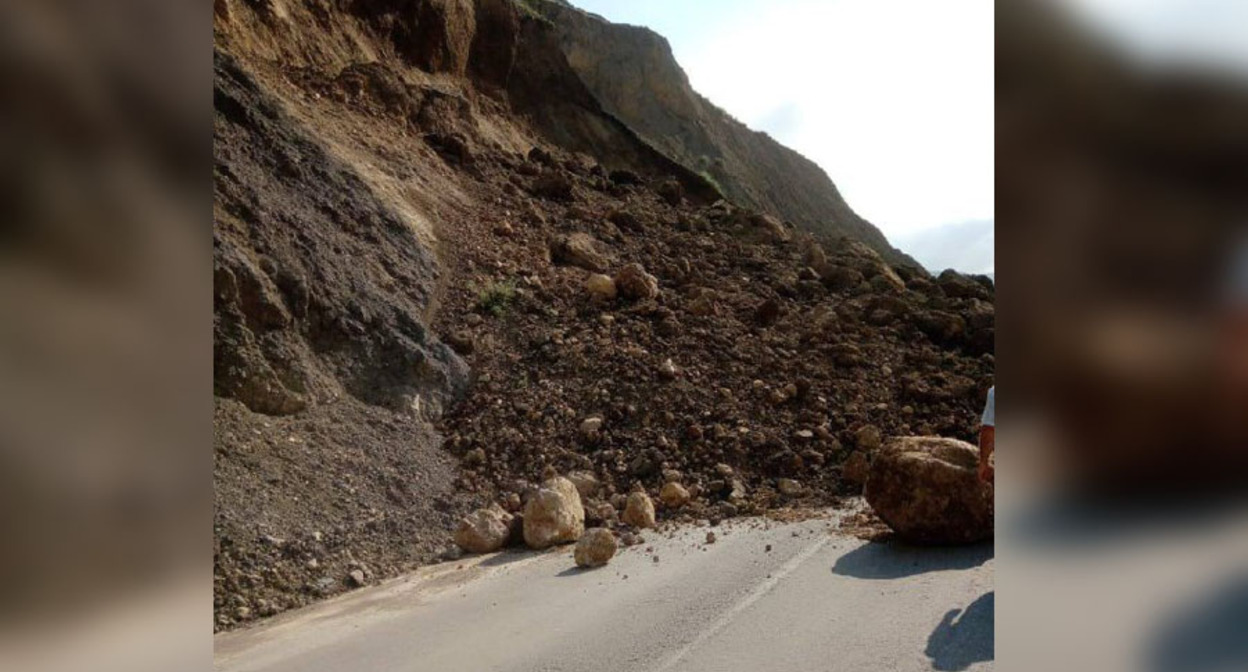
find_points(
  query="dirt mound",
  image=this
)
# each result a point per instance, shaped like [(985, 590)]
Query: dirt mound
[(745, 356)]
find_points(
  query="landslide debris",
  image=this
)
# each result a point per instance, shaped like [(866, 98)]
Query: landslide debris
[(734, 371), (442, 272)]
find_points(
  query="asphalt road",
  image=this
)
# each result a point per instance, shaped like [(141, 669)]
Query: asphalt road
[(817, 600)]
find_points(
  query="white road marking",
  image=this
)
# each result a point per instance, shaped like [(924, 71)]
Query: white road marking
[(759, 591)]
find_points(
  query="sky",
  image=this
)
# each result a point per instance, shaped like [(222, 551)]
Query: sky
[(892, 98)]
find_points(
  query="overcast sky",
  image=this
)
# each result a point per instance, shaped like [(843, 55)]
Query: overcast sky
[(893, 98)]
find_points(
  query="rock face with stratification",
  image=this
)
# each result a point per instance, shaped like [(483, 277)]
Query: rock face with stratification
[(927, 490)]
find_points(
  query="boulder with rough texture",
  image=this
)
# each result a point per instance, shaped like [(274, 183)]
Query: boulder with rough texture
[(483, 530), (595, 548), (674, 495), (554, 514), (928, 491), (634, 283), (639, 510)]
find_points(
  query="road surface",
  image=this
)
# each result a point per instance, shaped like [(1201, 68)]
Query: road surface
[(817, 600)]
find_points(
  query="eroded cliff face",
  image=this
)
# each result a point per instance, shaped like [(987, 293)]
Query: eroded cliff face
[(631, 71)]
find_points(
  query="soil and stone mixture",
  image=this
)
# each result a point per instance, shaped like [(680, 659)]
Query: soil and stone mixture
[(747, 367), (424, 303)]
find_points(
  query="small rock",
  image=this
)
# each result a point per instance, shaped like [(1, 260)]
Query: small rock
[(674, 495), (672, 192), (668, 370), (461, 342), (586, 483), (869, 438), (789, 487), (601, 287), (710, 537), (483, 530), (356, 578), (474, 457), (595, 548), (553, 185), (724, 470), (639, 511), (590, 428), (580, 250), (634, 283)]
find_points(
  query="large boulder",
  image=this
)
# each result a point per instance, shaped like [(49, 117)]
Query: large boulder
[(927, 490), (483, 530), (554, 514)]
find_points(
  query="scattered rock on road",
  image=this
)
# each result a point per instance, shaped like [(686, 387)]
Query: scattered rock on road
[(483, 530), (554, 514), (595, 548)]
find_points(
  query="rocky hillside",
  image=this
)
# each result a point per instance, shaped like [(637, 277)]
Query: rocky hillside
[(443, 268), (630, 70)]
